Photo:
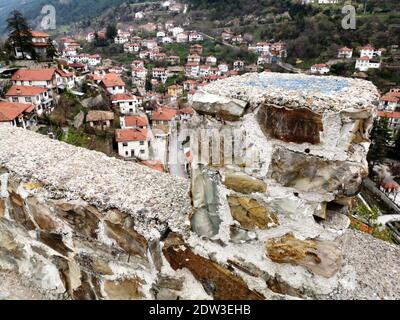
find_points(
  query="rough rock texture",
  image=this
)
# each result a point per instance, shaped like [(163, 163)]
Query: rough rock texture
[(83, 226)]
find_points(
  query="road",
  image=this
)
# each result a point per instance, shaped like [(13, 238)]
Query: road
[(175, 157)]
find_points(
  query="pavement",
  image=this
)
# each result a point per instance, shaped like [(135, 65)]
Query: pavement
[(175, 157)]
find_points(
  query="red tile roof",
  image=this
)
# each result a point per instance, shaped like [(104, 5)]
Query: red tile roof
[(387, 114), (391, 97), (135, 121), (123, 97), (24, 91), (187, 110), (64, 74), (125, 135), (163, 114), (112, 80), (33, 74), (10, 110), (37, 34)]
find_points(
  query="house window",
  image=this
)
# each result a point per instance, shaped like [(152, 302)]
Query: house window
[(125, 144), (142, 151), (142, 143), (126, 153), (28, 99), (15, 99)]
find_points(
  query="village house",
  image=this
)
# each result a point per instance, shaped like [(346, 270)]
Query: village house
[(390, 101), (182, 37), (150, 44), (215, 71), (345, 53), (173, 60), (263, 47), (189, 85), (227, 35), (65, 80), (134, 122), (211, 60), (17, 114), (137, 64), (40, 98), (192, 69), (196, 49), (160, 74), (393, 120), (100, 120), (44, 78), (133, 143), (223, 68), (160, 57), (370, 52), (193, 58), (122, 37), (40, 42), (175, 70), (161, 34), (113, 84), (237, 39), (264, 58), (321, 69), (176, 30), (167, 40), (126, 103), (204, 70), (131, 47), (195, 36), (185, 114), (139, 73), (238, 65), (175, 90), (69, 52), (365, 63), (163, 118)]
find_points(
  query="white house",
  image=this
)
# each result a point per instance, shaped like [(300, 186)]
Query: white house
[(204, 70), (223, 68), (182, 37), (133, 143), (134, 122), (160, 74), (365, 63), (194, 36), (139, 73), (44, 78), (369, 51), (126, 103), (65, 80), (40, 98), (176, 30), (193, 58), (345, 53), (17, 114), (122, 38), (113, 84), (130, 47), (211, 60), (238, 65), (390, 101), (263, 47), (192, 69), (320, 69)]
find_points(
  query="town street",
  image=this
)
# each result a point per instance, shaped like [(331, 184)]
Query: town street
[(176, 167)]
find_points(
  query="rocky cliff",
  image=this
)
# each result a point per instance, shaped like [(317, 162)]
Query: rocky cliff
[(262, 218)]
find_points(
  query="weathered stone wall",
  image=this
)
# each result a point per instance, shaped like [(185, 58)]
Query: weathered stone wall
[(84, 226)]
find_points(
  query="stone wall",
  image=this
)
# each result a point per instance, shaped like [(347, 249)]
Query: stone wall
[(81, 225)]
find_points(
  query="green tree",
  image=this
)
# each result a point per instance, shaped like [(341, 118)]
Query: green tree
[(19, 33), (111, 31), (51, 50), (381, 137), (397, 145)]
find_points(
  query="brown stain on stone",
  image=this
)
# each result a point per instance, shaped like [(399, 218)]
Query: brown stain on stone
[(18, 213), (290, 125), (241, 182), (127, 289), (128, 239), (2, 208), (319, 257), (216, 280), (251, 214)]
